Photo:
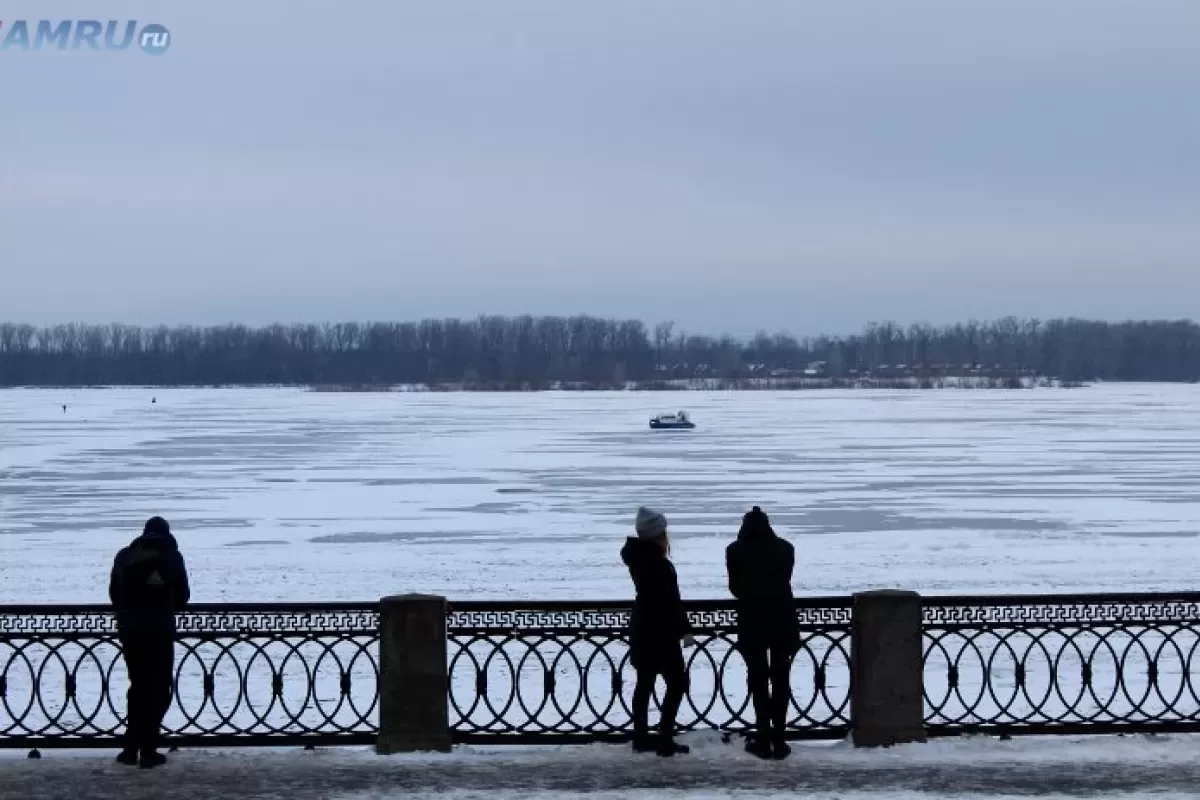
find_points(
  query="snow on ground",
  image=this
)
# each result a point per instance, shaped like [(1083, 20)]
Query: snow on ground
[(1109, 766), (281, 494), (735, 794)]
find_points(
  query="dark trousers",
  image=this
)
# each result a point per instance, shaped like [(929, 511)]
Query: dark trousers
[(150, 662), (768, 674), (669, 663)]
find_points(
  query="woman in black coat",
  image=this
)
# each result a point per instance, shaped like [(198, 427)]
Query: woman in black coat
[(657, 627), (760, 577)]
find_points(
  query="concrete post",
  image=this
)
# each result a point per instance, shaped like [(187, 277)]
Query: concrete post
[(413, 685), (887, 704)]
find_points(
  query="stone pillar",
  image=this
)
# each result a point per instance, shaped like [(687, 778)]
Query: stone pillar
[(413, 684), (887, 703)]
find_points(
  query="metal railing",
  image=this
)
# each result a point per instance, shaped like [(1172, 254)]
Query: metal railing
[(1101, 663), (539, 672), (549, 672), (244, 674)]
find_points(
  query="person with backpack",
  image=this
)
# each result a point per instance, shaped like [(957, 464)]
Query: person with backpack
[(658, 629), (149, 583), (760, 566)]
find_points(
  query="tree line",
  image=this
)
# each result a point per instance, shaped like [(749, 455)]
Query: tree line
[(534, 352)]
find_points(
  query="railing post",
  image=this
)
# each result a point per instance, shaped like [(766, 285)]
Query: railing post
[(413, 696), (887, 705)]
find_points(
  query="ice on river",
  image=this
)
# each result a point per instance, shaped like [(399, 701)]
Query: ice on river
[(283, 494)]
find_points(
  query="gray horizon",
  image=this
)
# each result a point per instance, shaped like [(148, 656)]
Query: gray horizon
[(807, 167)]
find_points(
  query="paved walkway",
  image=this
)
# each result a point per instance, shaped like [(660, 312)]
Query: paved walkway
[(976, 768)]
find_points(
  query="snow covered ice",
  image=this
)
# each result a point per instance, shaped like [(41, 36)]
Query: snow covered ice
[(287, 495), (282, 494)]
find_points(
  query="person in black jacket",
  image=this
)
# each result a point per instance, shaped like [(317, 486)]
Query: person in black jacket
[(760, 578), (149, 583), (658, 626)]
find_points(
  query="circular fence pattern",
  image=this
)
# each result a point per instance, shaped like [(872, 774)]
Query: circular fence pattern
[(256, 674), (1037, 667), (538, 672), (545, 671)]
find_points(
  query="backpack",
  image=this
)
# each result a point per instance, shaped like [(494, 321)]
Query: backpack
[(146, 578)]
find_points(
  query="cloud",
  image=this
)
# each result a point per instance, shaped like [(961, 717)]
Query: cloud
[(802, 165)]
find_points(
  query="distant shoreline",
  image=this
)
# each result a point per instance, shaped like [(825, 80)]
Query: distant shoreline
[(677, 385), (716, 385), (963, 383), (527, 353)]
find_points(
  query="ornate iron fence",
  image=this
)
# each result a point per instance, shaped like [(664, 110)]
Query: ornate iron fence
[(280, 674), (246, 673), (1061, 663), (540, 672), (549, 671)]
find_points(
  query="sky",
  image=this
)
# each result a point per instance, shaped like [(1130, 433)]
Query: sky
[(801, 165)]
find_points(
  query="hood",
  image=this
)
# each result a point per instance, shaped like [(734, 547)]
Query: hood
[(638, 550), (756, 534), (158, 540)]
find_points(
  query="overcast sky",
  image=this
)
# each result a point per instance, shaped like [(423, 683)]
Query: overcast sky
[(785, 164)]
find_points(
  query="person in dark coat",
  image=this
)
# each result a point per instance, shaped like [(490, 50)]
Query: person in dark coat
[(149, 583), (657, 628), (760, 567)]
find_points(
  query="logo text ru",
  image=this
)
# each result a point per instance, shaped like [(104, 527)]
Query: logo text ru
[(82, 34)]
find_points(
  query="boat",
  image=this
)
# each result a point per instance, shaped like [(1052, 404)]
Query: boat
[(678, 421)]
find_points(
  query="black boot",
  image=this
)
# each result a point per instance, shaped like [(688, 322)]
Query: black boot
[(759, 747), (644, 743), (759, 742), (150, 759), (668, 747), (128, 757), (779, 714)]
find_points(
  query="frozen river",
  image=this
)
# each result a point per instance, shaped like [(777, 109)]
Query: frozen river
[(282, 494)]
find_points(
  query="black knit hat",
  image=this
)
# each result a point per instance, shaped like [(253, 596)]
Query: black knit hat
[(756, 522), (156, 526)]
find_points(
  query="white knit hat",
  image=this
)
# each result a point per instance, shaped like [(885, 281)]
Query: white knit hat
[(650, 524)]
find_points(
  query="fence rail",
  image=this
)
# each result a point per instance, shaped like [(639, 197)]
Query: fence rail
[(244, 674), (1061, 663), (551, 671), (545, 671)]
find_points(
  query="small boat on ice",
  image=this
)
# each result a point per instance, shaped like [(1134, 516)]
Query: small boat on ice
[(677, 421)]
